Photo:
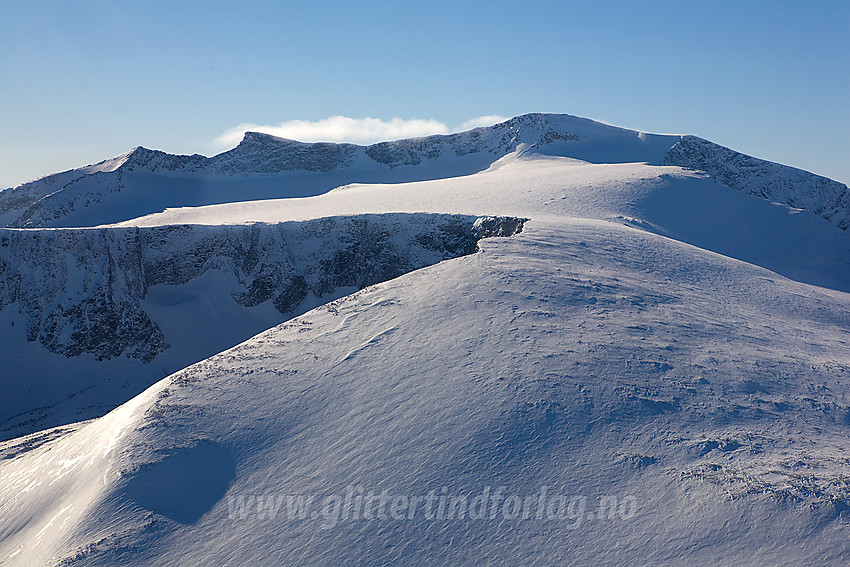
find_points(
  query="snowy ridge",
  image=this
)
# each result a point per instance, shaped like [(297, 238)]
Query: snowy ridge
[(592, 359), (257, 154), (652, 370), (91, 291), (264, 154), (262, 166), (777, 183), (14, 202)]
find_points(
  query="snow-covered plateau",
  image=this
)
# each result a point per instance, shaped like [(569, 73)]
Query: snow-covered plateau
[(545, 342)]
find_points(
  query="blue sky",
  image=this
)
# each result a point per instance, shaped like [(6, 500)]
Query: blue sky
[(85, 80)]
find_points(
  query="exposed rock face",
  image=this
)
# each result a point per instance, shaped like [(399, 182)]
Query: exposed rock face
[(79, 290), (486, 227), (257, 154), (760, 178), (498, 140), (264, 154)]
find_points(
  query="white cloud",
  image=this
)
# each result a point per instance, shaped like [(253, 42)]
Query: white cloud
[(339, 129), (487, 120), (353, 130)]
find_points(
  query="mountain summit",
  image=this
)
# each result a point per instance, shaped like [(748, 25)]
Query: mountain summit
[(549, 341), (262, 166)]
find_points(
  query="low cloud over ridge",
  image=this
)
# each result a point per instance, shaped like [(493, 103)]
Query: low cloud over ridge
[(352, 130)]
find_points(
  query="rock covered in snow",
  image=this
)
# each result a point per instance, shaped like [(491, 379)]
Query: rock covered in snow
[(79, 290), (777, 183)]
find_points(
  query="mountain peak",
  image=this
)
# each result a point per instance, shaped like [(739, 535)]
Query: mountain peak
[(251, 137), (260, 155)]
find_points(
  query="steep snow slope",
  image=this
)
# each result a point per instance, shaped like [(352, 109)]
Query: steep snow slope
[(678, 406), (117, 309)]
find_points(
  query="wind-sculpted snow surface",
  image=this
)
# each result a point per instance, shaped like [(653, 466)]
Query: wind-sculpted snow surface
[(632, 380), (776, 183), (585, 393)]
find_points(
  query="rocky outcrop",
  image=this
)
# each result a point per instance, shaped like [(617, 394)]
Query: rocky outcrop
[(81, 290), (777, 183), (498, 140), (257, 154)]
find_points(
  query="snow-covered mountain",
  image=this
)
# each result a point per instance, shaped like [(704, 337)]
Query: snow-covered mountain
[(146, 181), (131, 297), (650, 368), (777, 183)]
